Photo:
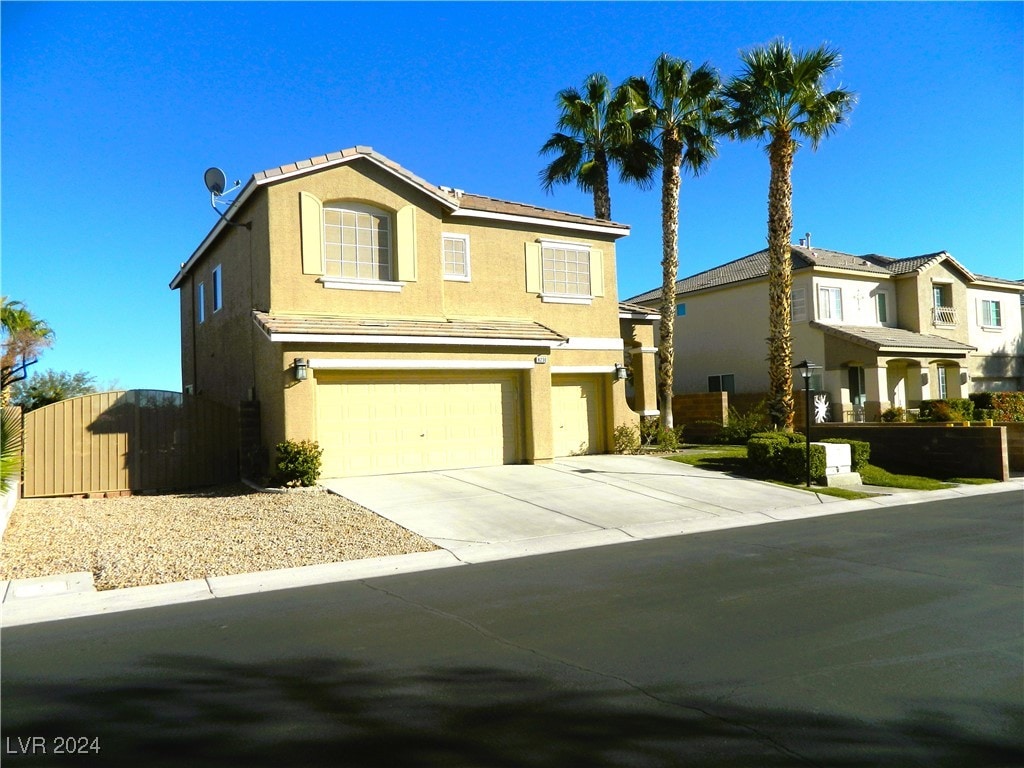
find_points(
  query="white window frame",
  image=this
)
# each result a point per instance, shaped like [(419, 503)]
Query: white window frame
[(988, 319), (941, 372), (798, 297), (882, 307), (565, 297), (359, 283), (445, 237), (827, 310), (218, 288), (201, 303)]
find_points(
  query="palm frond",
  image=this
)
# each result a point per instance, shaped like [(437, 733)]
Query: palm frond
[(10, 447)]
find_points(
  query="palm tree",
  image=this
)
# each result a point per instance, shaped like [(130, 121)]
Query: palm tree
[(597, 131), (684, 108), (780, 95), (24, 336)]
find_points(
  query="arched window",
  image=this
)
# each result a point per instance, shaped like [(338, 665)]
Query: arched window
[(357, 242)]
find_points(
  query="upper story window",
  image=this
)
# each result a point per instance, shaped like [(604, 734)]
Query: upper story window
[(455, 256), (943, 312), (881, 307), (991, 314), (565, 269), (830, 303), (357, 242), (798, 305), (218, 289), (201, 303)]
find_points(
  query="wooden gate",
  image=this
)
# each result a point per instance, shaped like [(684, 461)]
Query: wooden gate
[(129, 441)]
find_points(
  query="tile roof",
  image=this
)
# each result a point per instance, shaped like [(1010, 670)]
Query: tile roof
[(892, 339), (755, 266), (454, 199), (319, 325), (635, 309)]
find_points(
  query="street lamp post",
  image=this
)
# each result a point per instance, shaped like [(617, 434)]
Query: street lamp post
[(806, 367)]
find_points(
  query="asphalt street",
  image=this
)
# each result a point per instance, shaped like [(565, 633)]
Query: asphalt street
[(883, 637)]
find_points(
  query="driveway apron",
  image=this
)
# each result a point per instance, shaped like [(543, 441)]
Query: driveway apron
[(592, 499)]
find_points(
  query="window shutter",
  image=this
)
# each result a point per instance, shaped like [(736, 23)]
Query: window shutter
[(405, 245), (312, 230), (596, 272), (533, 281)]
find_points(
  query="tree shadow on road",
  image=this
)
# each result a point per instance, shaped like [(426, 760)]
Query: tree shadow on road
[(197, 711)]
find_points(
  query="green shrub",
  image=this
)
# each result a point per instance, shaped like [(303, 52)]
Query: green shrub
[(860, 451), (793, 462), (654, 435), (894, 414), (740, 427), (955, 409), (764, 451), (298, 463), (1008, 406), (627, 439)]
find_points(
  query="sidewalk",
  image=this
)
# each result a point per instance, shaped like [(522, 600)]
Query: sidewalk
[(495, 513)]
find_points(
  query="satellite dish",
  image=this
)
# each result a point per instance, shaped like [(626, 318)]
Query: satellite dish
[(216, 181)]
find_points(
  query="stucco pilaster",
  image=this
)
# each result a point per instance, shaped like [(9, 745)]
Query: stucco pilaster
[(539, 438)]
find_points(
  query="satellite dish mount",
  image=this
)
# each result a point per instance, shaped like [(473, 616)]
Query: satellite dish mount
[(216, 182)]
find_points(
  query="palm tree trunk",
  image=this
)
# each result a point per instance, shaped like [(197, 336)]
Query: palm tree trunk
[(670, 181), (602, 194), (780, 281)]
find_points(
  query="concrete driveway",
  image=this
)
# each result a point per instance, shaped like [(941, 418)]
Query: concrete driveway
[(491, 513)]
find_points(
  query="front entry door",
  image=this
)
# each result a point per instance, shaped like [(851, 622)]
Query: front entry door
[(858, 395)]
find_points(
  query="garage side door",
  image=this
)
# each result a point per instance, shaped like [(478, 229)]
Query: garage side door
[(383, 423), (576, 415)]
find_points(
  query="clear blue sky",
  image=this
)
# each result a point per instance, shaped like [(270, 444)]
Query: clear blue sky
[(111, 112)]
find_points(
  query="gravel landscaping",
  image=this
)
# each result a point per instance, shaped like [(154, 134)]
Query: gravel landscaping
[(139, 540)]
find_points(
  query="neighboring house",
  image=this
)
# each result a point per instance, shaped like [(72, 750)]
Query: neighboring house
[(406, 326), (889, 332)]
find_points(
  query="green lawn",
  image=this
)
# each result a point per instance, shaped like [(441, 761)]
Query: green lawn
[(733, 458)]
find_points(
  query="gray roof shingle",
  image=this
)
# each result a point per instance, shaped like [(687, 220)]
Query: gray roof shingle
[(755, 266), (893, 339)]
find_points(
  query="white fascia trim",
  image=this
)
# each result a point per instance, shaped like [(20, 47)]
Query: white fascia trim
[(638, 316), (618, 231), (363, 364), (643, 351), (649, 413), (582, 369), (591, 344), (327, 338), (552, 298), (340, 283)]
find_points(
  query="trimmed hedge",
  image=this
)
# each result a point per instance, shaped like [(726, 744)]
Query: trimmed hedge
[(860, 451), (793, 462), (1002, 406), (764, 451)]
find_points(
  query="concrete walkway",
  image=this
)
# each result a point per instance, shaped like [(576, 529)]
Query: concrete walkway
[(494, 513)]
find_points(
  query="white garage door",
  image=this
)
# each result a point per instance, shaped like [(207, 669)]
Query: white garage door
[(576, 415), (378, 423)]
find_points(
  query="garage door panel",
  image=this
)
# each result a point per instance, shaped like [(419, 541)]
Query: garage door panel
[(576, 413), (380, 423)]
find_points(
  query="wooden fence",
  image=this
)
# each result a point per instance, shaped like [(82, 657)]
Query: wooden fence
[(129, 441)]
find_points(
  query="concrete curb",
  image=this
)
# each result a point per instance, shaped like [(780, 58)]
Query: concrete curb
[(67, 596)]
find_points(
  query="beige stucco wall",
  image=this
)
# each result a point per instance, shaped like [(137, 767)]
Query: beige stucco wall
[(230, 359), (998, 363), (217, 354), (497, 288)]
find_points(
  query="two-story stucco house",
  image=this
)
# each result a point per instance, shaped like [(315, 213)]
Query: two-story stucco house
[(888, 332), (406, 326)]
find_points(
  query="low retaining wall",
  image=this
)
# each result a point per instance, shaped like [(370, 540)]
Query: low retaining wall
[(1015, 443), (930, 449)]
